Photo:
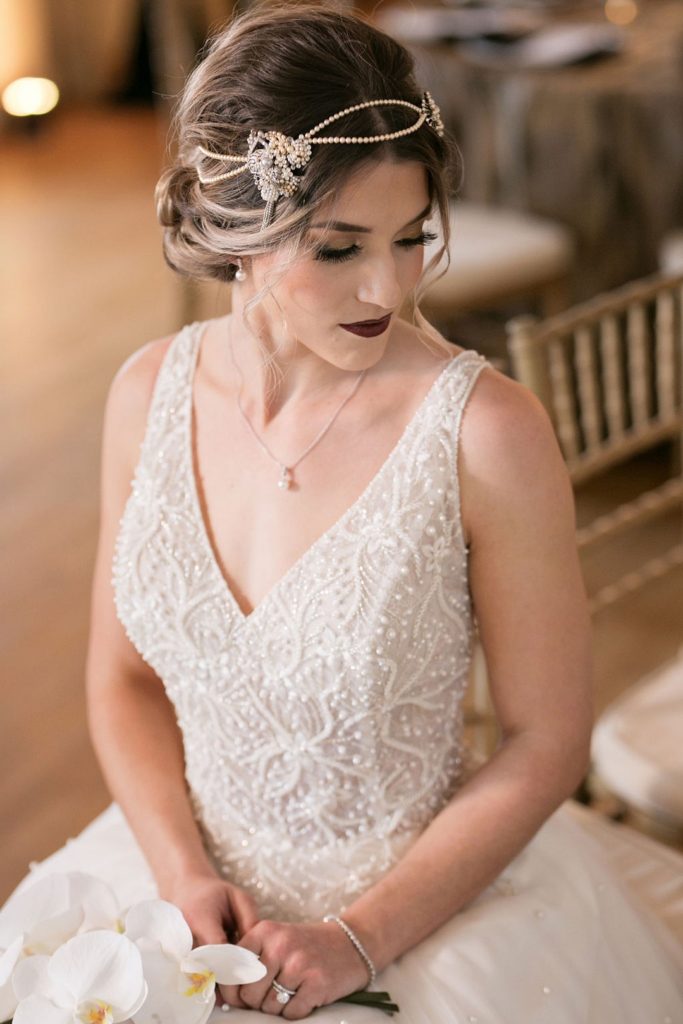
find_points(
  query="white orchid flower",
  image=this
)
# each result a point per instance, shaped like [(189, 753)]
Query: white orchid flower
[(34, 920), (44, 914), (100, 905), (39, 918), (54, 909), (182, 981), (93, 978)]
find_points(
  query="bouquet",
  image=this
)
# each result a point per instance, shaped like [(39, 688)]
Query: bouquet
[(69, 954)]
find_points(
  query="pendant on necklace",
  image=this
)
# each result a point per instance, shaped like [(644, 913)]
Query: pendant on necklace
[(285, 478)]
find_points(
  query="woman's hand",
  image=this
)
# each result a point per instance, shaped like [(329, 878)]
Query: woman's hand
[(215, 910), (316, 959)]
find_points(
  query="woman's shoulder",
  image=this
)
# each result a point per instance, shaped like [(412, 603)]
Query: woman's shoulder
[(137, 374), (508, 449), (501, 413), (130, 395), (505, 419)]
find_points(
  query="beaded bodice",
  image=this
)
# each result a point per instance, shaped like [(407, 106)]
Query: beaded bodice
[(323, 731)]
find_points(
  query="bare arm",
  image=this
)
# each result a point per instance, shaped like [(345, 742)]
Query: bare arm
[(532, 612), (131, 721)]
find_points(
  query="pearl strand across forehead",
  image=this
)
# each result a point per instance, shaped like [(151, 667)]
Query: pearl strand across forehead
[(273, 157)]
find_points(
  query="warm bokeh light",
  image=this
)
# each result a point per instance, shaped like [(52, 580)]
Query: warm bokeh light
[(26, 96), (621, 12)]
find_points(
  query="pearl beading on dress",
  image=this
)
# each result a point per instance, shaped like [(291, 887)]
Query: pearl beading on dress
[(272, 157), (323, 731)]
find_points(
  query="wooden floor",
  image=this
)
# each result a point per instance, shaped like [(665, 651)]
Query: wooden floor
[(83, 285)]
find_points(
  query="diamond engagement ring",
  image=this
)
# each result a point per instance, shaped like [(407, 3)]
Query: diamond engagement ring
[(283, 994)]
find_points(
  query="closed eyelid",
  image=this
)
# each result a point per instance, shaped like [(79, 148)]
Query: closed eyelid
[(355, 245), (344, 228), (322, 241), (324, 252), (338, 236)]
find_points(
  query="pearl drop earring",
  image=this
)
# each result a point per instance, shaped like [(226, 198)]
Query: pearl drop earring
[(241, 274)]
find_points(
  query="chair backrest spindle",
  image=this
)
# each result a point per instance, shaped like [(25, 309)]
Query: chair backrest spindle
[(665, 356), (588, 384), (615, 402), (639, 364), (627, 351)]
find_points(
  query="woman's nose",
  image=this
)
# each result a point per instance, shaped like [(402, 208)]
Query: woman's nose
[(380, 284)]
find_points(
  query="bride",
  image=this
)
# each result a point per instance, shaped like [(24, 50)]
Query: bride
[(307, 508)]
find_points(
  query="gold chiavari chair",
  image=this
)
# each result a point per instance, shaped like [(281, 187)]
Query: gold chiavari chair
[(610, 375)]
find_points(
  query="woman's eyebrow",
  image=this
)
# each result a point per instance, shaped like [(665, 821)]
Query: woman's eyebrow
[(339, 225)]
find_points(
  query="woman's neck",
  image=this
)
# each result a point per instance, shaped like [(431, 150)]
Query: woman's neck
[(295, 379)]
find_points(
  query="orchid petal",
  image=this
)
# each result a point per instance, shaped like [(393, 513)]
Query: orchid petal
[(99, 965), (48, 935), (163, 922), (9, 959), (132, 1010), (23, 910), (8, 1001), (31, 978), (39, 1010), (164, 1002), (232, 965), (8, 965), (98, 900)]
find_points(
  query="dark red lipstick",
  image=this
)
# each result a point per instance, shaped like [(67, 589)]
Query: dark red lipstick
[(368, 328)]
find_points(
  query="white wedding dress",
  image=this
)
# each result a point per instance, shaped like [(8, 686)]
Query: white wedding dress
[(324, 731)]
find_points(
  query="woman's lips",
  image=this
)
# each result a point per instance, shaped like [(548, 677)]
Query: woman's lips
[(368, 330)]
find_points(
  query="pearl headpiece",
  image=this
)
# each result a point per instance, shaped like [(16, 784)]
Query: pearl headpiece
[(273, 157)]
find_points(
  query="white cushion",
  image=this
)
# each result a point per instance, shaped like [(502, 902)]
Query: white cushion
[(495, 251), (671, 253), (637, 744)]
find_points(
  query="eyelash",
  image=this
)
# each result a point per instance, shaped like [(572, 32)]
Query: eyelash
[(339, 255)]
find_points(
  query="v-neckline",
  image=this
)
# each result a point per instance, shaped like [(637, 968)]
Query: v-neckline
[(244, 617)]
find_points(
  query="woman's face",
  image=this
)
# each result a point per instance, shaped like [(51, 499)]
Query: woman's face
[(362, 271)]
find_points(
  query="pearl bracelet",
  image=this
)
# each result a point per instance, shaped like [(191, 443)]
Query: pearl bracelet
[(366, 959)]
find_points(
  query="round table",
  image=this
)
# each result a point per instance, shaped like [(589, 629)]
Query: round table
[(596, 146)]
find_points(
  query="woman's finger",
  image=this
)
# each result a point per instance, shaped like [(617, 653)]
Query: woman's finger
[(246, 913), (271, 1003), (256, 994), (230, 994), (208, 932), (300, 1005)]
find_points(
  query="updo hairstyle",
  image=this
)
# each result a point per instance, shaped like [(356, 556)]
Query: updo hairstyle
[(285, 67)]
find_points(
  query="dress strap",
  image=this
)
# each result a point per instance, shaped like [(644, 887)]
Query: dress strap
[(169, 395), (460, 385), (471, 366)]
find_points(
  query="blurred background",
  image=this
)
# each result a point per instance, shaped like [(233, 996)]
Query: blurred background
[(570, 120)]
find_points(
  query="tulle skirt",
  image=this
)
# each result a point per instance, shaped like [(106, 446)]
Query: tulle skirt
[(565, 935)]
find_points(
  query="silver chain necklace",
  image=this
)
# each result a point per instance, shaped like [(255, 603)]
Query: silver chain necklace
[(286, 478)]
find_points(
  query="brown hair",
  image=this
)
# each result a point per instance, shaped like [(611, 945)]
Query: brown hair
[(285, 67)]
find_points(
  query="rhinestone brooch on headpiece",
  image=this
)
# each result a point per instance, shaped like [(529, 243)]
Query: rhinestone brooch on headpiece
[(273, 157)]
